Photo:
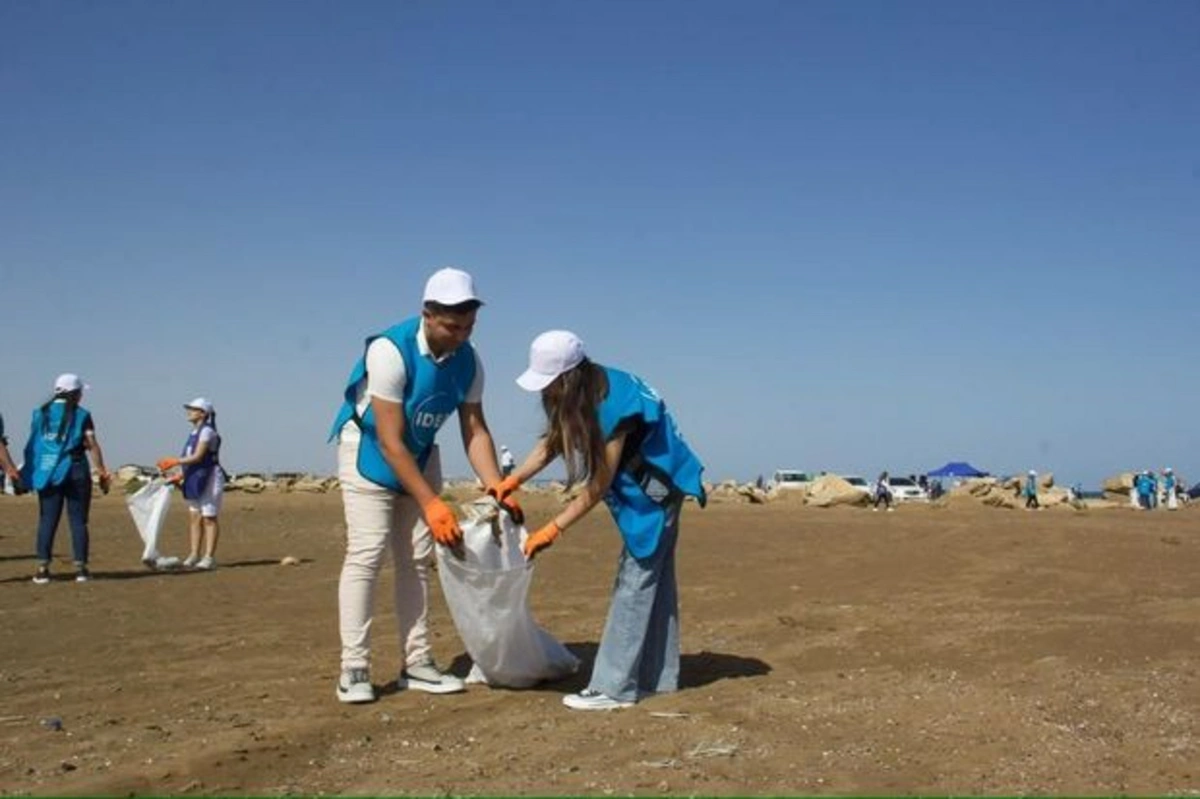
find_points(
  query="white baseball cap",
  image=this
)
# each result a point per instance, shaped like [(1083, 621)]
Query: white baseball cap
[(551, 354), (1031, 471), (200, 404), (450, 287), (66, 383)]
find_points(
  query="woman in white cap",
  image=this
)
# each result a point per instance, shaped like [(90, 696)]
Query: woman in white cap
[(62, 437), (202, 481), (617, 438)]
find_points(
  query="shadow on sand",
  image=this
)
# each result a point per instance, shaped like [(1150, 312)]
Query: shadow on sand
[(695, 669)]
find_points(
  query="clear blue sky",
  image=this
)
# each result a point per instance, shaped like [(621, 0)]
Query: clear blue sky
[(842, 235)]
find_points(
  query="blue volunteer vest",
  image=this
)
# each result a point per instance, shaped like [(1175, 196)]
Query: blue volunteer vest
[(1031, 486), (1169, 483), (432, 391), (664, 463), (196, 475), (49, 453)]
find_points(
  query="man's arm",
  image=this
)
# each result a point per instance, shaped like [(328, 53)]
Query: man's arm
[(389, 425), (478, 443)]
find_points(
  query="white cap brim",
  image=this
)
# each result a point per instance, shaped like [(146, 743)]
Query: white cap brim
[(534, 381)]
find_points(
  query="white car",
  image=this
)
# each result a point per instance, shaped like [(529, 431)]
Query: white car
[(787, 479), (906, 490), (859, 483)]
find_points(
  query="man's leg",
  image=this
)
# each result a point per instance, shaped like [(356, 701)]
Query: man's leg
[(412, 552), (368, 511)]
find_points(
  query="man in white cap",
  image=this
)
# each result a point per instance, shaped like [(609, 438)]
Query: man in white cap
[(411, 378)]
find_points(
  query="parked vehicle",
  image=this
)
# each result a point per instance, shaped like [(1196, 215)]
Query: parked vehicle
[(859, 483), (905, 489), (787, 479)]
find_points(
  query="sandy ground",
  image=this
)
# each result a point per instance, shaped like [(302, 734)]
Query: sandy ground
[(825, 651)]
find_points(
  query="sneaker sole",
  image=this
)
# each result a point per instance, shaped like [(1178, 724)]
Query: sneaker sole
[(404, 683), (601, 708)]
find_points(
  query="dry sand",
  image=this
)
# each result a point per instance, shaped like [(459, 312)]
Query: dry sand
[(953, 650)]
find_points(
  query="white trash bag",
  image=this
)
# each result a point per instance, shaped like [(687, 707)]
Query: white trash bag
[(488, 595), (148, 506)]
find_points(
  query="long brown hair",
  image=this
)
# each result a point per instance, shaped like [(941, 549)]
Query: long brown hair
[(572, 427)]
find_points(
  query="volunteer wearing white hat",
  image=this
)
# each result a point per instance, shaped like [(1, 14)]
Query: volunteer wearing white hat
[(62, 436), (1031, 491), (203, 482), (616, 436), (1169, 484), (410, 380)]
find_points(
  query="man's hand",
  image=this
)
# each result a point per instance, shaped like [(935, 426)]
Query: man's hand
[(105, 482), (538, 541), (442, 523), (503, 493), (166, 464)]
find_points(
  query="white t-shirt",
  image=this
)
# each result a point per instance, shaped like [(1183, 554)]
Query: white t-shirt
[(386, 378), (207, 436)]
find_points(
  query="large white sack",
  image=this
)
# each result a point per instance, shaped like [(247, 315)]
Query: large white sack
[(148, 507), (488, 595)]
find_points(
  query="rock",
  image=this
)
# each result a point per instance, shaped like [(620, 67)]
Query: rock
[(830, 490), (289, 561)]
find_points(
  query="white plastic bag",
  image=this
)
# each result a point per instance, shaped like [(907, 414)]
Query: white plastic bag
[(148, 506), (488, 595)]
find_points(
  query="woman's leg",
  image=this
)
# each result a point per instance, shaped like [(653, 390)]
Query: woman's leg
[(50, 508), (618, 661), (659, 669), (195, 532), (212, 532), (78, 493)]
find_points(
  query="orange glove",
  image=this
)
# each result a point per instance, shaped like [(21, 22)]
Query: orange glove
[(167, 463), (538, 541), (503, 492), (442, 523)]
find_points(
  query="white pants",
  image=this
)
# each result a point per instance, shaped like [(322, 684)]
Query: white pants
[(377, 518)]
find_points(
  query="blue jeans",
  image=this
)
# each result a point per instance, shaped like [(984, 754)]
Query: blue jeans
[(639, 651), (76, 493)]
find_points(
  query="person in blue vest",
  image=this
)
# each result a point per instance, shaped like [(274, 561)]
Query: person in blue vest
[(202, 482), (1145, 487), (11, 473), (62, 436), (1170, 487), (618, 440), (1031, 491), (411, 378)]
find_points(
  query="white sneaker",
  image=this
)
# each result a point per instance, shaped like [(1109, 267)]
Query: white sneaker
[(206, 563), (426, 677), (588, 699), (189, 562), (354, 686)]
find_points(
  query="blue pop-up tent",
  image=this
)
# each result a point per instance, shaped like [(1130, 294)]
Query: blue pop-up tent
[(957, 469)]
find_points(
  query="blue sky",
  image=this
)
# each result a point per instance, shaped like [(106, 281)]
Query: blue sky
[(843, 235)]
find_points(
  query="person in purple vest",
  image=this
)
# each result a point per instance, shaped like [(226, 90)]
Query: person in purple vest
[(202, 481)]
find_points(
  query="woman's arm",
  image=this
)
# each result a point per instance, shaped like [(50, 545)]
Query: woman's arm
[(596, 487)]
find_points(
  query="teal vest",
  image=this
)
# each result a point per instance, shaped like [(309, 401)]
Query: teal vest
[(53, 445), (432, 391), (663, 469)]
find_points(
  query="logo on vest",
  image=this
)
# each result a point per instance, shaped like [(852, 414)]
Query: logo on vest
[(428, 417)]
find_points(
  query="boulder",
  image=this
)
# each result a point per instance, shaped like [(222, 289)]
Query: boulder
[(830, 490), (250, 483)]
